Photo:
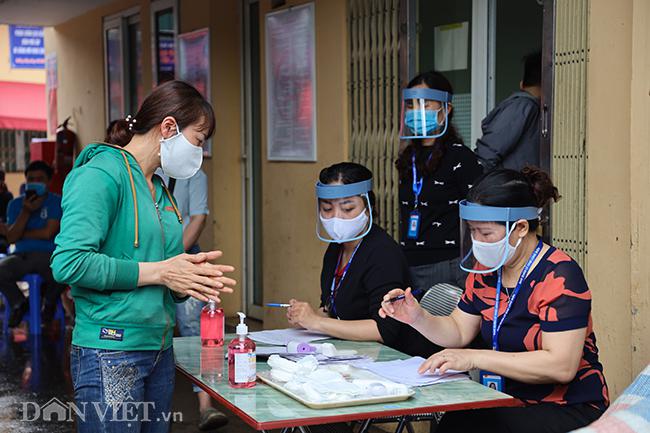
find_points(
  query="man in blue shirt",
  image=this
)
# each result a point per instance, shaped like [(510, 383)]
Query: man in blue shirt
[(32, 224)]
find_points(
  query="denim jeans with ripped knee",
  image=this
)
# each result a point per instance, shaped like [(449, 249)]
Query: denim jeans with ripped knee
[(122, 391)]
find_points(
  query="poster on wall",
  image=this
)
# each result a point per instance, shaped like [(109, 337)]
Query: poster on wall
[(51, 86), (194, 66), (291, 84), (451, 46), (27, 50)]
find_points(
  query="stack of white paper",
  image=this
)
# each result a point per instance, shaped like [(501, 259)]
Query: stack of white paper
[(405, 371), (281, 337)]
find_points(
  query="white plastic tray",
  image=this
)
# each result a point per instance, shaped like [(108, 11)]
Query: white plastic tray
[(265, 377)]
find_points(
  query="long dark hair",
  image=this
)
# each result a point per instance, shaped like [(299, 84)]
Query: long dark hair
[(433, 80), (173, 98), (509, 188), (346, 173)]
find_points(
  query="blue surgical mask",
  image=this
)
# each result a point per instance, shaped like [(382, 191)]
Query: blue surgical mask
[(413, 120), (39, 187)]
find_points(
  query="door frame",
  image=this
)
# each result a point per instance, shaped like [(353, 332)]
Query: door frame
[(248, 251), (546, 103)]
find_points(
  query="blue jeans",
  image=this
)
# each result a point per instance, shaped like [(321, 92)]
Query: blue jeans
[(122, 391)]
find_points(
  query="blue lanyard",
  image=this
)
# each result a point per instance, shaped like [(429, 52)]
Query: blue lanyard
[(335, 286), (417, 182), (496, 327)]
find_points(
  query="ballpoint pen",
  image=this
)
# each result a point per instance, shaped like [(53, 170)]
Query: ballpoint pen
[(400, 297), (272, 304)]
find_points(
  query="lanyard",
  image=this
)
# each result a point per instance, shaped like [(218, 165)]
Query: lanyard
[(417, 182), (496, 327), (335, 285)]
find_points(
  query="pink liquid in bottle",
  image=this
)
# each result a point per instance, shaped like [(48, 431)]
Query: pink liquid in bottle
[(212, 325), (242, 371)]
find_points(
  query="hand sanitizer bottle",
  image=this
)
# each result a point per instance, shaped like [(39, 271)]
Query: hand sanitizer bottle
[(241, 358), (212, 325)]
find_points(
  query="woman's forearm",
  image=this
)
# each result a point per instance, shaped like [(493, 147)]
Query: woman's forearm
[(358, 330), (536, 367)]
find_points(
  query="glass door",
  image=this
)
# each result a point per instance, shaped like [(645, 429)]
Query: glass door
[(479, 46), (444, 44)]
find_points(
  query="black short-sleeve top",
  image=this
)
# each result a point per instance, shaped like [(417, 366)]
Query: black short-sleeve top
[(378, 266)]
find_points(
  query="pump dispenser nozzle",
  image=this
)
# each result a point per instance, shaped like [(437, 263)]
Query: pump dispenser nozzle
[(242, 328)]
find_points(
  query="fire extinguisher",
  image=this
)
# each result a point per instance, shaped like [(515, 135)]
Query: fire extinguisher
[(64, 153)]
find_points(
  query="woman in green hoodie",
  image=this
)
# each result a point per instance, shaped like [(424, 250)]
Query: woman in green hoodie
[(120, 249)]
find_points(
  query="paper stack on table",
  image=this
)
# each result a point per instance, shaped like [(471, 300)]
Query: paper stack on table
[(405, 371), (282, 337)]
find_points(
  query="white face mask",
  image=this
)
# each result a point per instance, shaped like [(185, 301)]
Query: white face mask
[(179, 158), (341, 229), (491, 254)]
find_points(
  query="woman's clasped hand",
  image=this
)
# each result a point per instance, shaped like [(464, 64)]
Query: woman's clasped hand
[(194, 275)]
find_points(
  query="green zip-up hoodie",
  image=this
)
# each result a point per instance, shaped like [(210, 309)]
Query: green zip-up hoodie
[(110, 223)]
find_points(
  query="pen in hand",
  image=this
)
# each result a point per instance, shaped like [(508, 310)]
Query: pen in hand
[(273, 304), (400, 297)]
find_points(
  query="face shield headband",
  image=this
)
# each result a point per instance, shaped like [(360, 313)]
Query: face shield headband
[(420, 122), (475, 212), (331, 192)]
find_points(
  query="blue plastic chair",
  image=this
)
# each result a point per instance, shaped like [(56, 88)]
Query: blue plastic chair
[(6, 312), (33, 314)]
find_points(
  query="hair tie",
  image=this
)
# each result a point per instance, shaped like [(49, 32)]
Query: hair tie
[(130, 120)]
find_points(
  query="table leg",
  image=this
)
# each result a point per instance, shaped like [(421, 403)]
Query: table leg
[(401, 424), (304, 429), (365, 426)]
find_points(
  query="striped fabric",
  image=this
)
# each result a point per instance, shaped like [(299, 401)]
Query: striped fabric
[(441, 299), (630, 413)]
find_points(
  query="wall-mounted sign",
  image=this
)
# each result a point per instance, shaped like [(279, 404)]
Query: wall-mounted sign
[(26, 47), (194, 66), (291, 84)]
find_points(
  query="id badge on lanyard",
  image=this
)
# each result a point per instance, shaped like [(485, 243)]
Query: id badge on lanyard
[(492, 380), (414, 224), (415, 217)]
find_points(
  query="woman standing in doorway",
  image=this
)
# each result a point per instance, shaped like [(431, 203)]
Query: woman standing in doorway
[(436, 171), (121, 249)]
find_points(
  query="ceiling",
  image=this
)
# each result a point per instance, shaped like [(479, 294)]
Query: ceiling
[(44, 12)]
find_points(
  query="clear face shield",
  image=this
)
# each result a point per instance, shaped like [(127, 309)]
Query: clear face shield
[(485, 235), (343, 212), (424, 113)]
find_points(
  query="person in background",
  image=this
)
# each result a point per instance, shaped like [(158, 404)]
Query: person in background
[(191, 197), (121, 250), (529, 301), (511, 130), (435, 172), (5, 197), (32, 223)]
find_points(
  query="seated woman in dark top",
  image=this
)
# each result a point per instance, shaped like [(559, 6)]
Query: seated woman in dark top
[(361, 264), (529, 301)]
